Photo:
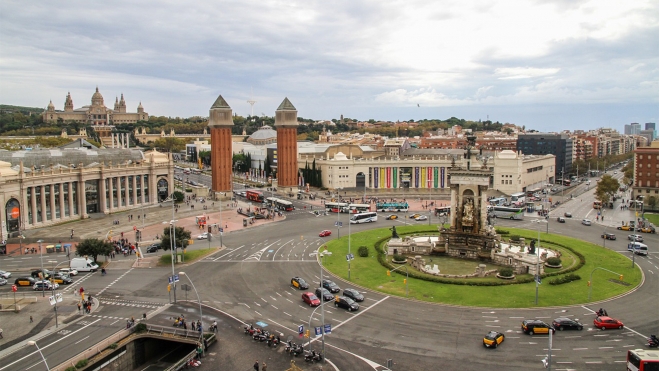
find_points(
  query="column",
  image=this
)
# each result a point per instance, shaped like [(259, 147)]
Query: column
[(111, 194), (62, 209), (126, 192), (134, 194), (82, 198), (42, 200), (112, 139), (71, 199), (101, 197), (33, 201), (142, 188), (454, 207)]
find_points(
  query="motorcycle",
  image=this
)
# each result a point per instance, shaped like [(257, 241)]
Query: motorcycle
[(653, 342), (273, 340), (261, 336), (312, 356), (601, 312), (249, 329), (299, 349), (289, 346)]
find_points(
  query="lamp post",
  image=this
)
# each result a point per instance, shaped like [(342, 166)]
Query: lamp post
[(43, 289), (338, 212), (53, 288), (172, 247), (537, 267), (201, 314), (31, 342)]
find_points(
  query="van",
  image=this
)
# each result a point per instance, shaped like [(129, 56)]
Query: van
[(83, 265), (638, 248)]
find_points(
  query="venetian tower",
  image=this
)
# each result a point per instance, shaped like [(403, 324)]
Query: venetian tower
[(220, 123), (286, 125)]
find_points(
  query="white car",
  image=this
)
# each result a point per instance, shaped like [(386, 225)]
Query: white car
[(69, 271), (204, 236), (635, 237), (421, 217), (41, 285), (5, 274), (586, 222)]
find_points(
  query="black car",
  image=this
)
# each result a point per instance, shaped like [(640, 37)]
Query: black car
[(560, 219), (152, 248), (567, 215), (563, 323), (534, 326), (609, 236), (331, 286), (346, 303), (25, 281), (37, 274), (353, 294), (299, 283), (324, 294)]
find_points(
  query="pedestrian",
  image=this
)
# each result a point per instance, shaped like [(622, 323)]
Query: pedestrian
[(256, 365), (193, 325), (2, 337), (265, 367), (31, 320)]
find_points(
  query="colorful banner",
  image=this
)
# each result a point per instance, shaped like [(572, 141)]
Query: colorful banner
[(382, 175), (416, 177), (395, 177), (435, 177), (441, 176), (423, 177), (376, 181), (388, 177)]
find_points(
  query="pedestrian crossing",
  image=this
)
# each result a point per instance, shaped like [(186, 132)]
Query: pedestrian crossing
[(303, 249), (130, 303)]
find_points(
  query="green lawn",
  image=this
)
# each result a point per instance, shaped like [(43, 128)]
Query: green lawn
[(190, 256), (653, 218), (367, 272)]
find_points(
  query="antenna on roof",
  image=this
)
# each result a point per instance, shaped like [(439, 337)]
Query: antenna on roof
[(251, 101)]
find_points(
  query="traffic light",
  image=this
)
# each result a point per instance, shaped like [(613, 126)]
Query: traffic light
[(621, 277), (405, 281), (209, 229), (307, 334), (588, 283), (388, 272)]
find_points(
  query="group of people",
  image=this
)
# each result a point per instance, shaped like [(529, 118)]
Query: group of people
[(85, 305)]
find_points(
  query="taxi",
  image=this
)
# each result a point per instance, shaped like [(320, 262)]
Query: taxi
[(392, 217), (61, 279), (493, 339), (25, 281), (625, 228), (647, 230), (534, 326), (299, 283)]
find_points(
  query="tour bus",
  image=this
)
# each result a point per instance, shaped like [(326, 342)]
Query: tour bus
[(364, 218), (597, 205), (392, 206), (499, 201), (335, 207), (359, 208), (443, 211), (518, 198), (642, 360), (256, 196), (516, 213)]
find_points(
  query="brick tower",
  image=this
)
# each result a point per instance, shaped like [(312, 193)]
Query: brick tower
[(220, 123), (286, 125)]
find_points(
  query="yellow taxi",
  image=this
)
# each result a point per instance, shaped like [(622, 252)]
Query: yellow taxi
[(299, 283), (493, 339), (647, 230), (61, 279), (25, 281), (625, 228)]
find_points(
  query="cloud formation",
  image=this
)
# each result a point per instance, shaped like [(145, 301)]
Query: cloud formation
[(364, 59)]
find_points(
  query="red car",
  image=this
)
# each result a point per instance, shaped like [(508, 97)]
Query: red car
[(311, 299), (607, 322), (324, 233)]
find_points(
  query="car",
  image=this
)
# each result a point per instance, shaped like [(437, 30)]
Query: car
[(61, 279), (204, 236), (324, 294), (325, 233), (38, 273), (44, 285), (353, 294), (346, 303), (647, 230), (420, 218), (392, 217), (330, 285), (492, 339), (299, 283), (609, 236), (586, 222), (152, 249), (563, 323), (3, 281), (567, 215), (534, 326), (311, 299), (5, 274), (560, 219), (604, 322), (625, 228), (25, 281), (635, 237), (615, 172), (68, 271), (414, 216)]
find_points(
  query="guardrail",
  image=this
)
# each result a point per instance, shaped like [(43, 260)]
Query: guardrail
[(23, 295), (174, 331)]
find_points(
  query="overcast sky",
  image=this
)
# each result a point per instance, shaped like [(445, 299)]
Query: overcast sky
[(548, 65)]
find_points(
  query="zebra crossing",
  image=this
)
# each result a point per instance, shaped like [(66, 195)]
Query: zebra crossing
[(303, 249), (130, 303)]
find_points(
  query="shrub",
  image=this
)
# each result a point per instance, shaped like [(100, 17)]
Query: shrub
[(113, 346), (70, 368), (515, 237), (501, 232), (141, 327), (565, 279), (555, 261), (82, 363), (506, 272), (400, 258), (363, 251)]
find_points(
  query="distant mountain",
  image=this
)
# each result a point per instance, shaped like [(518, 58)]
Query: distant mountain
[(5, 108)]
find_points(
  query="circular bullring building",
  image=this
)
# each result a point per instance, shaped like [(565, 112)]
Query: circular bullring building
[(265, 135)]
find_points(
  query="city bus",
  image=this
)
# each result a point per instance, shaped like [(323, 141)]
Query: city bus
[(499, 201), (359, 208), (364, 218), (392, 206), (597, 205), (280, 204), (642, 360), (567, 182), (443, 211), (518, 198), (335, 207), (516, 213), (256, 196)]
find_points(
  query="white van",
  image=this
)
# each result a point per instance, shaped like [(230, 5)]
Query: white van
[(638, 248), (83, 265)]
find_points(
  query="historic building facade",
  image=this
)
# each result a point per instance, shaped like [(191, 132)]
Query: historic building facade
[(95, 114)]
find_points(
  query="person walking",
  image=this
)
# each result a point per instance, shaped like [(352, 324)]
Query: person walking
[(2, 337), (31, 320), (193, 325), (256, 365), (265, 367)]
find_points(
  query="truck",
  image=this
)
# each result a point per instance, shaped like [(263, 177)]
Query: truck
[(83, 265)]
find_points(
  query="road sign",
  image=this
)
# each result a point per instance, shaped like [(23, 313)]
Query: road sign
[(173, 279), (328, 328), (221, 229), (350, 257), (300, 330), (14, 288), (318, 330), (58, 297), (338, 224)]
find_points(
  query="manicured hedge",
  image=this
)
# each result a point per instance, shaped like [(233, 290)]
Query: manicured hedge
[(363, 251), (565, 279)]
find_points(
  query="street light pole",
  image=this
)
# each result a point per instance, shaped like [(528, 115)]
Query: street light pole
[(349, 238), (201, 313), (43, 289), (537, 267)]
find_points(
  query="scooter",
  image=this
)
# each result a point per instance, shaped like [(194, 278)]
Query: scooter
[(601, 312), (249, 329), (312, 356), (299, 349), (653, 342), (289, 346)]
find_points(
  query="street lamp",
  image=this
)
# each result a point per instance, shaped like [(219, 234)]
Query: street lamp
[(53, 288), (338, 212), (201, 314), (172, 247), (537, 267), (31, 342), (43, 289)]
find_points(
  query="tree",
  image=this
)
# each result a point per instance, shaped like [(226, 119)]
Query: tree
[(94, 247), (182, 238), (178, 197), (606, 188), (267, 167), (170, 144), (628, 170), (205, 157), (652, 202)]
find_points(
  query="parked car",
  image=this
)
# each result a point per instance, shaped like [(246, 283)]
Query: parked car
[(346, 303), (311, 299), (204, 236), (324, 294), (567, 215), (609, 236), (604, 322), (586, 222), (563, 323), (353, 294)]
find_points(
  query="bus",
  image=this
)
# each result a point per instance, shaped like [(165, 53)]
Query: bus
[(516, 213), (518, 198), (335, 207), (499, 201), (597, 205), (280, 204), (567, 182), (642, 360), (443, 211), (392, 206), (364, 217), (256, 196), (359, 208)]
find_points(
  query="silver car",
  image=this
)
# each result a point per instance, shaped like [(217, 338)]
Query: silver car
[(635, 237), (5, 274), (586, 222)]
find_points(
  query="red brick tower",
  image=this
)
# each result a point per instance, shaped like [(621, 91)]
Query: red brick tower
[(220, 123), (286, 125)]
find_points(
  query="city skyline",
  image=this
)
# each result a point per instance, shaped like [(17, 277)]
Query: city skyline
[(546, 65)]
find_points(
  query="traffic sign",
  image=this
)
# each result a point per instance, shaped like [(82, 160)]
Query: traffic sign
[(338, 224), (350, 257), (173, 279), (328, 328), (300, 330), (318, 330), (221, 229)]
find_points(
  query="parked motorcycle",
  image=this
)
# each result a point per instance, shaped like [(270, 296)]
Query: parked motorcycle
[(299, 349), (312, 356), (601, 312), (653, 342), (249, 329), (289, 346)]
